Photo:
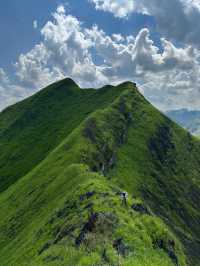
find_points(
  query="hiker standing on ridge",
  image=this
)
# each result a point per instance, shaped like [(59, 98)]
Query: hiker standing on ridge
[(124, 196)]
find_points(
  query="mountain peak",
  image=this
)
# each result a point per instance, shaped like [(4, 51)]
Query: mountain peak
[(69, 81), (128, 84)]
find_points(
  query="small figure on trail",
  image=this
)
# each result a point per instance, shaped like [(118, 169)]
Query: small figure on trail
[(124, 196)]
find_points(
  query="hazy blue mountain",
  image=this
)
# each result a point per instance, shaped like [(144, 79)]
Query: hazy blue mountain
[(187, 119)]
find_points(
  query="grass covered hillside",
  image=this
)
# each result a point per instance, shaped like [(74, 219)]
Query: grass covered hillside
[(66, 157), (30, 130)]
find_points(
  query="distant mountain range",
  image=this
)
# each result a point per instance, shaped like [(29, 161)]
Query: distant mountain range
[(187, 119), (97, 178)]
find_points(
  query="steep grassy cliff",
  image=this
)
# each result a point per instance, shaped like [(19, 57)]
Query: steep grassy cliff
[(67, 156)]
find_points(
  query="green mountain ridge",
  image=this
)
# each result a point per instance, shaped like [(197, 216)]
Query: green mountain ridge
[(67, 156)]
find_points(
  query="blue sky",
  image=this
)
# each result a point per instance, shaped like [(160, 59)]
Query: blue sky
[(155, 43), (16, 26), (19, 36)]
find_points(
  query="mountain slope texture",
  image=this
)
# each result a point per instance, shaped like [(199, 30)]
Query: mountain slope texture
[(97, 177)]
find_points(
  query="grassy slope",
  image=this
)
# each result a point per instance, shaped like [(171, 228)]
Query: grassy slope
[(160, 163), (37, 125), (130, 146)]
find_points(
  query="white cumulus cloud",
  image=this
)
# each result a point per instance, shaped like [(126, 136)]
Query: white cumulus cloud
[(176, 19), (120, 8), (168, 77)]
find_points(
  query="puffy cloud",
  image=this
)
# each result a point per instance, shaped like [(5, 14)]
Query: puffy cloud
[(182, 15), (176, 19), (9, 91), (60, 9), (31, 68), (173, 89), (120, 8), (118, 37), (168, 77), (63, 52), (3, 77)]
